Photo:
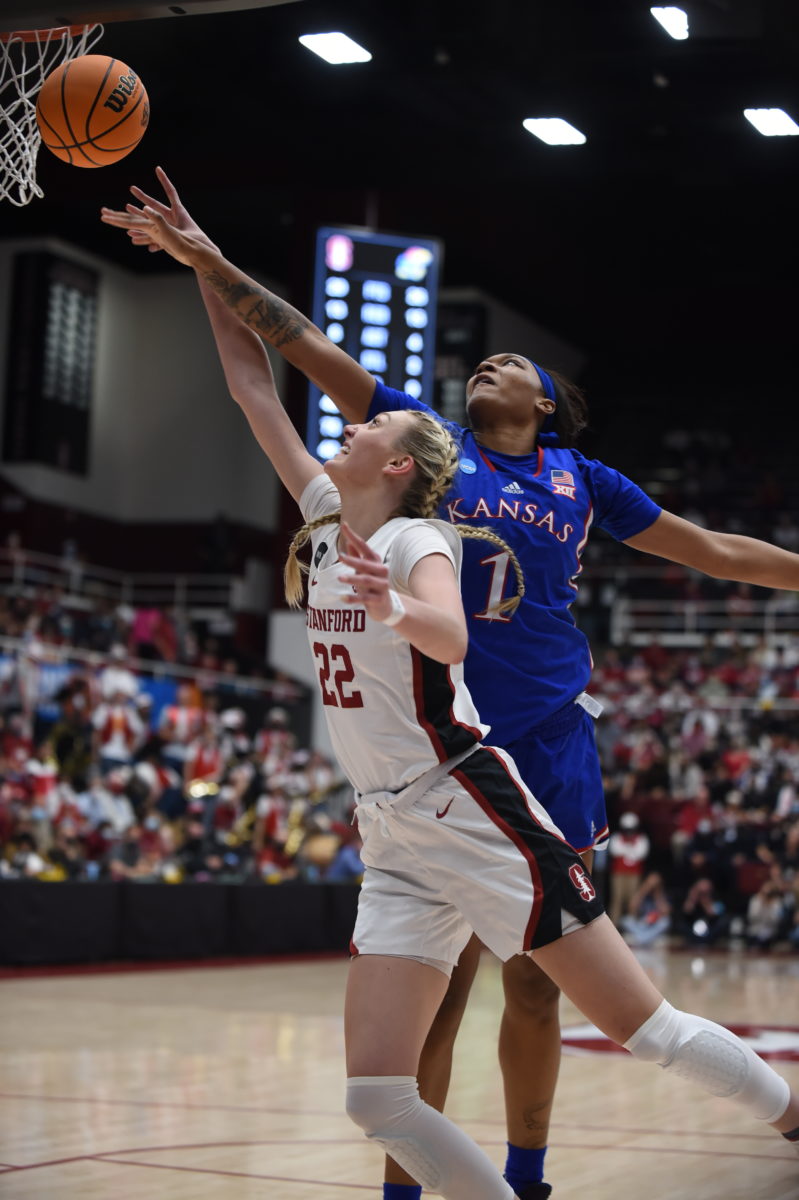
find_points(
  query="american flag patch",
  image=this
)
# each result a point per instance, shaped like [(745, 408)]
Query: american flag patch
[(564, 478)]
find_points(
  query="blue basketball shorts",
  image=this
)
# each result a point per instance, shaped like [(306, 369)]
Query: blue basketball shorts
[(559, 762)]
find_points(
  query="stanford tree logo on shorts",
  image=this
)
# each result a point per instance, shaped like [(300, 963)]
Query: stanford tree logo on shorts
[(581, 881)]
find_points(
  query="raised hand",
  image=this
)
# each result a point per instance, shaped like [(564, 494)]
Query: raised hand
[(152, 226), (174, 212)]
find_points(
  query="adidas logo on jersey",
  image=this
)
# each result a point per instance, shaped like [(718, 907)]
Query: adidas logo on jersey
[(514, 489)]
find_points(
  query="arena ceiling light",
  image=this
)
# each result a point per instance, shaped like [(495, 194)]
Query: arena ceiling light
[(673, 20), (772, 122), (335, 48), (554, 131)]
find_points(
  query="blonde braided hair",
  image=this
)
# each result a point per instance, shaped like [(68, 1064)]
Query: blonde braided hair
[(294, 569), (433, 449), (436, 455)]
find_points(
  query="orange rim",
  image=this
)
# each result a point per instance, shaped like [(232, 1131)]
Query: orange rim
[(41, 35)]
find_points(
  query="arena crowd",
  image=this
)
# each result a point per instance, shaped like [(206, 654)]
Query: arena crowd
[(114, 766), (135, 745)]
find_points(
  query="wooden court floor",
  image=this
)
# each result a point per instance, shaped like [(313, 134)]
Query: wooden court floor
[(198, 1084)]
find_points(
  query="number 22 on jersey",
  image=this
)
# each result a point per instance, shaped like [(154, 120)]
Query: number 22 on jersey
[(337, 676)]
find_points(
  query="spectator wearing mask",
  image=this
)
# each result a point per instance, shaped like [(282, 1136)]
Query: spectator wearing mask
[(180, 725), (704, 917), (628, 849), (765, 916), (648, 915), (116, 678), (71, 736), (118, 731)]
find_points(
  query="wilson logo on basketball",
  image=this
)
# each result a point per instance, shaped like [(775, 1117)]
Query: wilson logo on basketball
[(126, 86), (581, 881), (92, 111)]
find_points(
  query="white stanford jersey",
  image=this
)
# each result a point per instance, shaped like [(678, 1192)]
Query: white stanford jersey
[(392, 712)]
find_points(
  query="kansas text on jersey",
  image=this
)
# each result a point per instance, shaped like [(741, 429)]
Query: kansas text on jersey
[(543, 505)]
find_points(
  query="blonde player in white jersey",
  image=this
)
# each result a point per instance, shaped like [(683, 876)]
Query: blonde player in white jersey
[(453, 841)]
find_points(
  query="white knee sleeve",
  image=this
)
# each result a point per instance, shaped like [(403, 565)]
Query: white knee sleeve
[(711, 1057), (385, 1106), (435, 1152)]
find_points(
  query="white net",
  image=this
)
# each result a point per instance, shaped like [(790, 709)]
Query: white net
[(26, 59)]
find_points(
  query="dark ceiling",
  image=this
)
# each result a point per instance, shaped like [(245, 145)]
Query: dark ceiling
[(666, 247)]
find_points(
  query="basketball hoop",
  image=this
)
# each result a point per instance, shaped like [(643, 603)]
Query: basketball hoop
[(26, 59)]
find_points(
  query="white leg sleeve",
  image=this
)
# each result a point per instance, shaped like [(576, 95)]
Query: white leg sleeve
[(425, 1144), (712, 1058)]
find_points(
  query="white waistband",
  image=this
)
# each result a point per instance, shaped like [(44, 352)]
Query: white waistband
[(591, 706), (381, 804)]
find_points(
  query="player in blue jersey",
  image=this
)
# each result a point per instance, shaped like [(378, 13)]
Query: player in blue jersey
[(519, 475)]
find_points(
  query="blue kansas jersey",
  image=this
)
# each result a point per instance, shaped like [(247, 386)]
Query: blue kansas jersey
[(522, 669)]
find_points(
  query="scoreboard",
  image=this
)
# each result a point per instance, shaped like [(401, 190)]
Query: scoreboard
[(375, 296)]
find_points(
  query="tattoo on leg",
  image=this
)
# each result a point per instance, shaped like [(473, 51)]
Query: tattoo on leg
[(531, 1119), (268, 315)]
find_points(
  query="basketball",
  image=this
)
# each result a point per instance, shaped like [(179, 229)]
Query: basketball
[(92, 111)]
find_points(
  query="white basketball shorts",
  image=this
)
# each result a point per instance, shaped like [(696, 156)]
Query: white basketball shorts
[(471, 851)]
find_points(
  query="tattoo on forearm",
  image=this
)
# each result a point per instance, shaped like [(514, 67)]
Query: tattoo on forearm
[(268, 315)]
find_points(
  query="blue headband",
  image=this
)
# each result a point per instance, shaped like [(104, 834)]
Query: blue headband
[(546, 382)]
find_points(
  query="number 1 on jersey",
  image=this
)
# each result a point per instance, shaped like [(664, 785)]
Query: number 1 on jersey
[(499, 564)]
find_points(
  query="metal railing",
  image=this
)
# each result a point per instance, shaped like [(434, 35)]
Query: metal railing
[(24, 571), (278, 691), (692, 622)]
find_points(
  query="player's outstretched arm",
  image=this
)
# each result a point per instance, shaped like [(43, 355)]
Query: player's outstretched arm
[(301, 343), (722, 555), (249, 377), (242, 353), (244, 360)]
